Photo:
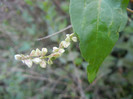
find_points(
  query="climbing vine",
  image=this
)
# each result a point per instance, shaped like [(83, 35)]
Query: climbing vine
[(97, 24)]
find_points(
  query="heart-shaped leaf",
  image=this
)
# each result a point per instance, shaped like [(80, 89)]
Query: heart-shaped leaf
[(97, 24)]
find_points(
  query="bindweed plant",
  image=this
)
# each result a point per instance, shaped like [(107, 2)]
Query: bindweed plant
[(40, 56), (97, 24)]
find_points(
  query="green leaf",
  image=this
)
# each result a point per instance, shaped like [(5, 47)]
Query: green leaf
[(97, 24)]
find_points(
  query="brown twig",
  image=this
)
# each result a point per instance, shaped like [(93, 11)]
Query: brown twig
[(46, 37), (78, 82), (37, 78), (129, 10)]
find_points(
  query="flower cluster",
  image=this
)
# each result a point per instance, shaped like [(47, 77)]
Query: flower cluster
[(36, 56), (39, 56)]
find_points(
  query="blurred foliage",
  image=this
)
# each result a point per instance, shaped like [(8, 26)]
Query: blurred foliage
[(22, 22)]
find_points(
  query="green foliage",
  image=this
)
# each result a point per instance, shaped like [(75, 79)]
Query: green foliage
[(29, 2), (18, 34), (97, 23)]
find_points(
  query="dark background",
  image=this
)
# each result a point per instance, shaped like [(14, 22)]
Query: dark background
[(24, 21)]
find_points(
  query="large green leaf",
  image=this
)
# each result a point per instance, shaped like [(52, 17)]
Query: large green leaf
[(97, 24)]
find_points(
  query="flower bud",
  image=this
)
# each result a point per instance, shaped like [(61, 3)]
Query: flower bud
[(18, 57), (24, 57), (55, 49), (44, 51), (33, 53), (71, 35), (43, 64), (68, 35), (61, 50), (28, 62), (74, 39), (38, 52), (57, 54), (64, 44), (37, 60), (68, 38)]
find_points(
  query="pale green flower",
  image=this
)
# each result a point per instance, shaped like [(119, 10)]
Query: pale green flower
[(33, 53), (28, 62), (44, 51), (43, 64), (64, 44), (18, 57), (74, 39), (37, 60)]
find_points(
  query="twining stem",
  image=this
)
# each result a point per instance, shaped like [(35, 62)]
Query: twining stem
[(129, 10), (46, 37)]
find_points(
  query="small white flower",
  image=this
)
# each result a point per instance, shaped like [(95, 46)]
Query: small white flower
[(61, 50), (57, 54), (37, 60), (38, 52), (74, 39), (18, 57), (44, 51), (43, 64), (68, 35), (55, 49), (26, 56), (28, 62), (68, 38), (33, 53), (71, 35), (64, 44)]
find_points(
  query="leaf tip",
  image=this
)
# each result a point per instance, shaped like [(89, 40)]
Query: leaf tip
[(91, 77), (91, 72)]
